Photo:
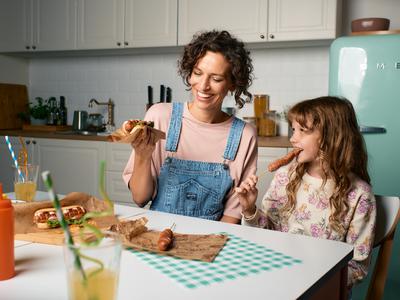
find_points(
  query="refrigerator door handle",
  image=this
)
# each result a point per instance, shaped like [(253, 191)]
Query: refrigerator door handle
[(371, 129)]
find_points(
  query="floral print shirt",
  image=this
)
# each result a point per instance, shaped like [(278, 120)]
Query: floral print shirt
[(311, 216)]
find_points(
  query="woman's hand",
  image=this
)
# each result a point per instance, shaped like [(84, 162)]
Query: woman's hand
[(145, 144), (247, 194)]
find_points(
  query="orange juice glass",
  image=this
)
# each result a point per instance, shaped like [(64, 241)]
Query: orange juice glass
[(25, 180)]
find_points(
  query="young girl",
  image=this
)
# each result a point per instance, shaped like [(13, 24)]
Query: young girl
[(326, 192)]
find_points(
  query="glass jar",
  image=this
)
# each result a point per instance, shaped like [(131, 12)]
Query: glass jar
[(251, 120), (261, 104), (267, 124)]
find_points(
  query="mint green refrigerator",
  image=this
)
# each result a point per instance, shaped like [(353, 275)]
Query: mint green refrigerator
[(366, 70)]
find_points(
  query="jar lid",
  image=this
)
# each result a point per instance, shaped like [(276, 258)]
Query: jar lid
[(249, 118)]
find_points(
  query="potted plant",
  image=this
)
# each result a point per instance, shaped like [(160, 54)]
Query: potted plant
[(39, 112)]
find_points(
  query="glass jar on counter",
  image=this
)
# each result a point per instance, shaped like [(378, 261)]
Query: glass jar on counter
[(268, 124), (251, 120)]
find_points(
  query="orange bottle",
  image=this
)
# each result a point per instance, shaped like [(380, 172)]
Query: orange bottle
[(6, 238)]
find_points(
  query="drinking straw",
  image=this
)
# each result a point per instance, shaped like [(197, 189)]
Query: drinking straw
[(13, 156), (56, 203)]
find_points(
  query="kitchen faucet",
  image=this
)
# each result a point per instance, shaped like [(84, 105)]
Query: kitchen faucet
[(110, 126)]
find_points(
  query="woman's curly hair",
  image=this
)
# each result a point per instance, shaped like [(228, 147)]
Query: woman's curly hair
[(234, 52), (342, 151)]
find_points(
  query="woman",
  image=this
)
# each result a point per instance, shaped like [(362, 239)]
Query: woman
[(207, 152)]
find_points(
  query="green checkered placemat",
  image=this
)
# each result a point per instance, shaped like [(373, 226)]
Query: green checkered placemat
[(238, 258)]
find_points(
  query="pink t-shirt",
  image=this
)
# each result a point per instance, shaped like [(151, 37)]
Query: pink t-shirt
[(206, 142)]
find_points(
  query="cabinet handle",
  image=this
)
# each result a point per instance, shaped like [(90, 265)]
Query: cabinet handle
[(126, 43), (119, 44), (262, 36), (33, 47), (34, 142), (271, 36), (27, 47)]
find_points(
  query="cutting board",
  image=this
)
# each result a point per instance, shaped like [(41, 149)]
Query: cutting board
[(13, 100)]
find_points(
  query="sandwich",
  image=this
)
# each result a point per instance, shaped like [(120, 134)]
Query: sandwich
[(46, 218)]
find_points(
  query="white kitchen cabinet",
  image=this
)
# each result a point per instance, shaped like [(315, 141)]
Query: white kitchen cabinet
[(290, 20), (13, 25), (53, 25), (266, 155), (105, 24), (245, 19), (74, 165), (37, 25), (117, 156)]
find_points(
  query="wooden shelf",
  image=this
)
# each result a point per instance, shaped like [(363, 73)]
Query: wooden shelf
[(47, 128), (376, 32)]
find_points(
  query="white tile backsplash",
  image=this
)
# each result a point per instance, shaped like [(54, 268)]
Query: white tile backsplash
[(288, 75)]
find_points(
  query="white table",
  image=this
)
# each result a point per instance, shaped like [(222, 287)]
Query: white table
[(41, 273)]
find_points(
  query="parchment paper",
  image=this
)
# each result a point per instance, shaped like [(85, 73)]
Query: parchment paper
[(26, 230), (119, 136)]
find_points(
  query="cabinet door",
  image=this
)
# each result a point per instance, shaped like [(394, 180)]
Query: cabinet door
[(117, 156), (265, 156), (290, 20), (100, 24), (14, 25), (247, 20), (54, 25), (74, 165), (151, 23)]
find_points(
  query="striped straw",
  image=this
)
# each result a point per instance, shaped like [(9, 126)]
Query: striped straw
[(13, 156), (48, 182)]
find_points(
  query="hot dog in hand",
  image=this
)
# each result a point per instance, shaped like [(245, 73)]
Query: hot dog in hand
[(130, 126), (165, 239), (283, 161)]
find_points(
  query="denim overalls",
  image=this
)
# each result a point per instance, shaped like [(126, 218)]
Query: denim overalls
[(194, 188)]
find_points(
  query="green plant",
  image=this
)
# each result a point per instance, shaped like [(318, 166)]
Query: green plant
[(40, 110)]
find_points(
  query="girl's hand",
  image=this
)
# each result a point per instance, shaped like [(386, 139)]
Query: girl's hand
[(247, 194), (145, 144)]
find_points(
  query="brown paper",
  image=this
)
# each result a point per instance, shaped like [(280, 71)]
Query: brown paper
[(204, 247), (119, 136), (26, 230)]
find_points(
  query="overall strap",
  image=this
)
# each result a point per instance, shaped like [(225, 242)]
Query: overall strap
[(175, 125), (233, 142)]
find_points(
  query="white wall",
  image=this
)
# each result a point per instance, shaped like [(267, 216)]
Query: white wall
[(14, 70), (355, 9), (287, 74)]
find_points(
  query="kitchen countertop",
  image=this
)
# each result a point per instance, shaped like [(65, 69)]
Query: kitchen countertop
[(277, 141)]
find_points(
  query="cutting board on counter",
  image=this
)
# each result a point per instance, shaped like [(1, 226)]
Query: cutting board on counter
[(13, 100), (47, 128)]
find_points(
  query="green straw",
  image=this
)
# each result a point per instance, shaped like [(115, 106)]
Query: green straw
[(56, 203)]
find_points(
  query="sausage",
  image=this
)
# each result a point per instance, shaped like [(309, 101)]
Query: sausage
[(283, 161), (129, 125), (165, 239), (42, 216)]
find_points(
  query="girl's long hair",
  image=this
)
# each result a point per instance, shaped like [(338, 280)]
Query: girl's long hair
[(342, 151)]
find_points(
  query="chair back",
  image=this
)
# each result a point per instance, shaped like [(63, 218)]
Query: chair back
[(388, 215)]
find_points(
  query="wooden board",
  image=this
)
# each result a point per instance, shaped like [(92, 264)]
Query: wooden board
[(46, 128), (13, 100), (52, 236)]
